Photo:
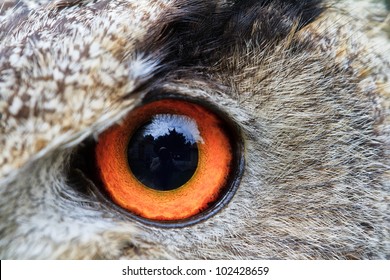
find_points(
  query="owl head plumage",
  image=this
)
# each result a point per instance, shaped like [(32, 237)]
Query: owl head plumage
[(298, 90)]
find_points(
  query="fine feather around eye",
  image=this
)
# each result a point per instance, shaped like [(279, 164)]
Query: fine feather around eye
[(169, 160)]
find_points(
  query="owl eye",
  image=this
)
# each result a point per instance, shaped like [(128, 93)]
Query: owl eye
[(169, 160)]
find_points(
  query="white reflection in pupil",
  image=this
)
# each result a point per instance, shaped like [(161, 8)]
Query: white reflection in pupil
[(163, 153), (162, 124)]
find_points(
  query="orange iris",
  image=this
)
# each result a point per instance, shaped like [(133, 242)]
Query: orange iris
[(195, 195)]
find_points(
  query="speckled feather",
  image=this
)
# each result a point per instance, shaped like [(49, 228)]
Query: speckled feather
[(307, 83)]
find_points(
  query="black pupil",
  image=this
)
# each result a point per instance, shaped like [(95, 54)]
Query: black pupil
[(163, 153)]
